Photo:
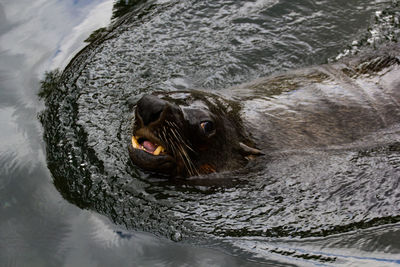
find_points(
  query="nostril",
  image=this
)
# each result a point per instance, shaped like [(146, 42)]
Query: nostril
[(150, 108), (155, 116)]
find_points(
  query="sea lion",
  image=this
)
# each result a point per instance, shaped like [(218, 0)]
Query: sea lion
[(331, 106), (188, 133)]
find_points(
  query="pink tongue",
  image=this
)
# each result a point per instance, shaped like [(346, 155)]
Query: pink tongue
[(149, 146)]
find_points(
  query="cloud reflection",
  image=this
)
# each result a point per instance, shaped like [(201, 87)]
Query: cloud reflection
[(98, 17), (31, 33)]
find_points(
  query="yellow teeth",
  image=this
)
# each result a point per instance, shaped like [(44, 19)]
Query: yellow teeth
[(158, 150), (136, 145)]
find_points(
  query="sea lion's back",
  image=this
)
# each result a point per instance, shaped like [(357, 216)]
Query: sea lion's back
[(324, 106)]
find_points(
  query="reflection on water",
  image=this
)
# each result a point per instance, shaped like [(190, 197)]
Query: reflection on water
[(96, 17), (181, 45)]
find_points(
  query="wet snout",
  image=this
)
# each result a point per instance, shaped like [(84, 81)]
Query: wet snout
[(150, 108)]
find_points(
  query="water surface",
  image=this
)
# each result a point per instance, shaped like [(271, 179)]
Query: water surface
[(95, 208)]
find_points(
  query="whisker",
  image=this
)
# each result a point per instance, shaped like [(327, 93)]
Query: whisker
[(170, 135), (178, 136), (190, 163)]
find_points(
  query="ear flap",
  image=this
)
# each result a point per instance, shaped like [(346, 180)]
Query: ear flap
[(249, 151)]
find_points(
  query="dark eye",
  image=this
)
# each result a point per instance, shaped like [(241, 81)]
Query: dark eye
[(207, 127)]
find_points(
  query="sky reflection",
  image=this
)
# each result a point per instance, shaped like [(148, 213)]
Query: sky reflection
[(35, 37)]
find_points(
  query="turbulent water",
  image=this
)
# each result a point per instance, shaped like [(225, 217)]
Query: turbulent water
[(325, 206)]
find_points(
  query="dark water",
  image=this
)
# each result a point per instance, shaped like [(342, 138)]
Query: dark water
[(96, 209)]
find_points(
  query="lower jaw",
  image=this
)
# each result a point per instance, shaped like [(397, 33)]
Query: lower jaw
[(161, 164)]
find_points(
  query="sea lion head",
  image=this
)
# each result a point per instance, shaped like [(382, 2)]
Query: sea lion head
[(184, 134)]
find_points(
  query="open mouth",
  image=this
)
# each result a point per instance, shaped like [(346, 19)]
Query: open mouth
[(148, 146)]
